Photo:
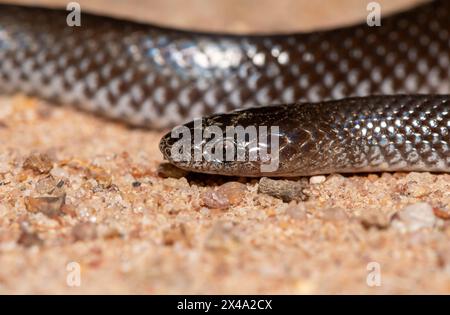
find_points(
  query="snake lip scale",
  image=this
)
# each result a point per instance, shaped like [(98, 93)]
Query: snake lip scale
[(352, 99)]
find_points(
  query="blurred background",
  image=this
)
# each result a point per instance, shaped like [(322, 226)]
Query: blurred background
[(235, 15)]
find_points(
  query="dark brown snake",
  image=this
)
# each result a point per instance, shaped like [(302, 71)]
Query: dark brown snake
[(368, 98)]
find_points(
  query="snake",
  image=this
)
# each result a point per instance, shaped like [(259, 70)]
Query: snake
[(357, 98)]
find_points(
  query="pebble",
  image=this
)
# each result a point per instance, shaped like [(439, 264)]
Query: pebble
[(286, 190), (228, 194), (417, 216), (233, 191), (372, 178), (48, 205), (45, 185), (29, 239), (296, 211), (69, 210), (316, 180), (214, 200), (441, 213), (177, 233), (84, 231), (103, 178), (375, 218), (48, 185), (333, 214), (223, 236), (39, 163)]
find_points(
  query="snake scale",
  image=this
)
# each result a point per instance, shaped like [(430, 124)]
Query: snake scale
[(360, 98)]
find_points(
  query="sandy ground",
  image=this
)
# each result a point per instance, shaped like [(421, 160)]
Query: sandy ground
[(84, 209)]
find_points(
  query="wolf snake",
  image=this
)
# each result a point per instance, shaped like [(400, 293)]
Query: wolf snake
[(360, 98)]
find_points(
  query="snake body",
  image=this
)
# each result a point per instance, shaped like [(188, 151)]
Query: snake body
[(343, 117)]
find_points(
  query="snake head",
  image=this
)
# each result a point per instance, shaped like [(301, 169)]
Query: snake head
[(249, 142)]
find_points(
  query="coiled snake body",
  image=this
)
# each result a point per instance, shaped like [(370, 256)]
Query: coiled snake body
[(156, 77)]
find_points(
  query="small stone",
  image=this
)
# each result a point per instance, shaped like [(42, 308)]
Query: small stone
[(223, 236), (44, 112), (29, 239), (49, 186), (375, 218), (316, 180), (111, 232), (50, 206), (175, 234), (417, 216), (286, 190), (84, 231), (136, 184), (45, 185), (100, 175), (175, 206), (333, 214), (296, 211), (214, 200), (442, 214), (167, 170), (39, 163), (233, 191), (372, 178), (400, 175), (69, 210)]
